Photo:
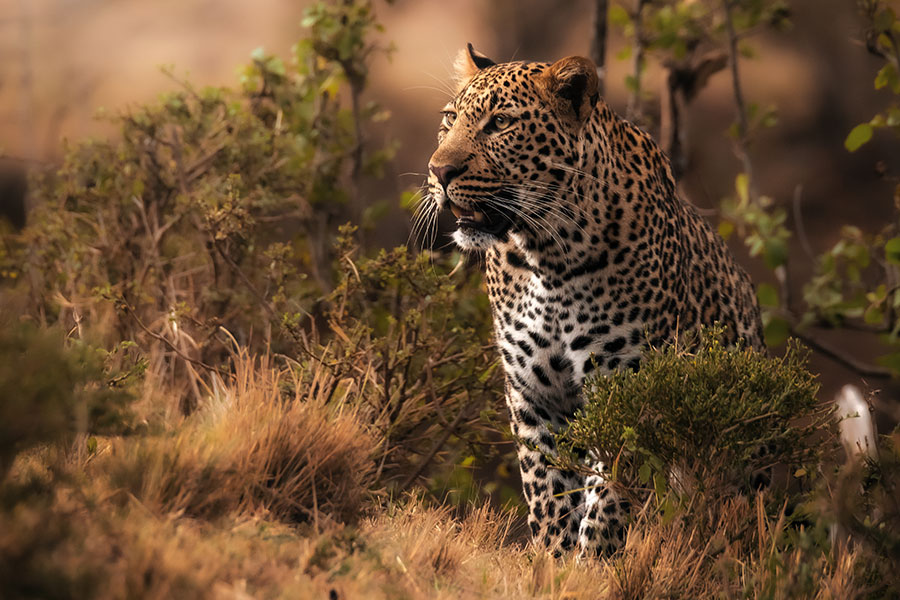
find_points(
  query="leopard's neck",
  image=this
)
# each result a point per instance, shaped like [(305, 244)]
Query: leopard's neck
[(616, 187)]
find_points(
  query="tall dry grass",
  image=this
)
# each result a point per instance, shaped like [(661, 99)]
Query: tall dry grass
[(257, 445)]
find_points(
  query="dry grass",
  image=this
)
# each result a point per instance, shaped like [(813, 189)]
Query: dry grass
[(251, 448), (409, 551), (266, 493), (419, 552)]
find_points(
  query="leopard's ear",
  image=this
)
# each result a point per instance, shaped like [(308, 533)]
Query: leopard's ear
[(572, 88), (468, 63)]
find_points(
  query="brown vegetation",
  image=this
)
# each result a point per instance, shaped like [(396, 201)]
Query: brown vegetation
[(251, 448)]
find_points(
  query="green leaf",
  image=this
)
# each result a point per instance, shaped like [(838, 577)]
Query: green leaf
[(884, 19), (258, 53), (410, 200), (734, 131), (644, 473), (767, 295), (891, 361), (618, 16), (860, 134), (887, 76), (776, 331), (877, 295), (631, 83), (669, 510), (776, 253), (276, 65), (873, 315), (659, 485), (892, 250), (726, 228), (742, 186), (893, 114)]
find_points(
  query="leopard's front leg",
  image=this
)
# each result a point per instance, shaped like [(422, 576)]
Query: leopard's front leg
[(564, 508), (604, 516), (553, 495)]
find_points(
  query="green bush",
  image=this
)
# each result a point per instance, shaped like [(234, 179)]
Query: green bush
[(51, 390), (686, 438), (409, 343), (708, 416)]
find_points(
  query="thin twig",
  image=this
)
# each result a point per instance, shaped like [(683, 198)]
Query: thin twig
[(130, 311), (435, 448), (743, 126), (296, 333), (798, 223), (861, 368), (246, 280), (684, 80)]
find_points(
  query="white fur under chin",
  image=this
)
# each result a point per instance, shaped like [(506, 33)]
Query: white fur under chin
[(473, 240)]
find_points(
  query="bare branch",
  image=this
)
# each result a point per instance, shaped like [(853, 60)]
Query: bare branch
[(861, 368), (634, 110), (742, 124), (798, 223), (684, 80), (438, 444), (598, 41), (296, 334)]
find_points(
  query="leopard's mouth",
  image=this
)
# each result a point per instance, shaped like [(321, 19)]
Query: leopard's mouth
[(467, 216), (484, 219)]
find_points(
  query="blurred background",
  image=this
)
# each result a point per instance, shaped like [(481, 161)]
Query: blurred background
[(62, 61)]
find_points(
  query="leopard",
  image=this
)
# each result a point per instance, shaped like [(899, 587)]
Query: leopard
[(590, 255)]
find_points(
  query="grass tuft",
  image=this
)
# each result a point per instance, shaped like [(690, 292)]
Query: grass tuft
[(251, 449)]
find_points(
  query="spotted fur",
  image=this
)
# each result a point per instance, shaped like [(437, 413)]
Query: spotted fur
[(589, 256)]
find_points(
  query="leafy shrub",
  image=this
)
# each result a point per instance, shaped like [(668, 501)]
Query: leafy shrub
[(50, 390), (408, 345), (33, 529), (684, 437), (711, 416)]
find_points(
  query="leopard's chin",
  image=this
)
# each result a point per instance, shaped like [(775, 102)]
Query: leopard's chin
[(474, 240)]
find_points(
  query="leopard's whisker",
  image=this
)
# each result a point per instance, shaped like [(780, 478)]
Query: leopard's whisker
[(549, 209), (543, 225)]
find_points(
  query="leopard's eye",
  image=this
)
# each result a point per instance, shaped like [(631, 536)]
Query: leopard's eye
[(498, 123), (449, 118)]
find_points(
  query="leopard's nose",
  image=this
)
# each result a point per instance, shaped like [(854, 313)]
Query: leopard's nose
[(446, 173)]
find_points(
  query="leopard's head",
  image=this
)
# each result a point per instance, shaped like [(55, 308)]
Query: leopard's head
[(508, 143)]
